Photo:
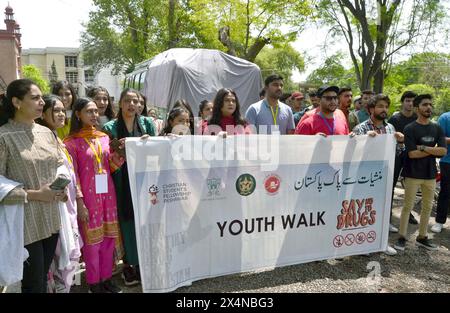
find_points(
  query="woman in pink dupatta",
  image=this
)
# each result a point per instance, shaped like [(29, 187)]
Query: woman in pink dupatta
[(96, 199)]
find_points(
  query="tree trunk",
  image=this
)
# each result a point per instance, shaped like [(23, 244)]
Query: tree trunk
[(171, 24), (257, 46)]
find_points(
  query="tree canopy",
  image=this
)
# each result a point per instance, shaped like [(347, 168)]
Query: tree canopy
[(376, 30)]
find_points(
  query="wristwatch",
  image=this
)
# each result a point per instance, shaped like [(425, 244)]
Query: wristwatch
[(421, 148)]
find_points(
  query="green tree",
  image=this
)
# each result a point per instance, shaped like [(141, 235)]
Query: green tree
[(33, 73), (376, 30), (244, 27), (281, 60), (124, 33), (422, 68), (332, 72)]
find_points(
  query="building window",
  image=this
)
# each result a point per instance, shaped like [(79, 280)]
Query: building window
[(72, 77), (89, 76), (71, 61)]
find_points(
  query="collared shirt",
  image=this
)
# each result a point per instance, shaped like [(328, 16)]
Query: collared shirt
[(385, 128), (260, 114)]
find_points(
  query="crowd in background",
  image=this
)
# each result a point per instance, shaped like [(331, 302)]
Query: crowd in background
[(90, 219)]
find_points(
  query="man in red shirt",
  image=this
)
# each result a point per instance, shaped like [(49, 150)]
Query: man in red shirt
[(325, 121)]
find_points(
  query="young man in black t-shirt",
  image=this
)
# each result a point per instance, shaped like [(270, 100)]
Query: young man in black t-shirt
[(424, 141), (400, 120)]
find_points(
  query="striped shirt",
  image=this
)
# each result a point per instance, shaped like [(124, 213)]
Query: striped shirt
[(385, 128)]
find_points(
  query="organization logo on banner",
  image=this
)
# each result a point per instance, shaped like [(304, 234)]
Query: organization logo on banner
[(245, 184), (176, 192), (153, 191), (272, 184)]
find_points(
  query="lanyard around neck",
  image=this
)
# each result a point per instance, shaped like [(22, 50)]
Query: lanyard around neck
[(330, 127), (98, 155), (274, 114)]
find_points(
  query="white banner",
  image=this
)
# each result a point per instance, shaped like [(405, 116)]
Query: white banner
[(208, 206)]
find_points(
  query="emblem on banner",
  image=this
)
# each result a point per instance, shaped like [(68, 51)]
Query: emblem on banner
[(214, 185), (245, 184), (272, 184), (153, 191)]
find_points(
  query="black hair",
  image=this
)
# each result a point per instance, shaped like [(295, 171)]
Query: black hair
[(262, 93), (145, 110), (123, 94), (368, 92), (109, 112), (312, 94), (217, 108), (408, 94), (419, 99), (173, 114), (285, 96), (65, 84), (272, 78), (75, 123), (380, 97), (16, 89), (201, 107), (344, 89), (50, 102), (184, 104)]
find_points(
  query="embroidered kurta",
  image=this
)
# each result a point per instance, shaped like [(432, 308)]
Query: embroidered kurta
[(102, 207), (29, 155)]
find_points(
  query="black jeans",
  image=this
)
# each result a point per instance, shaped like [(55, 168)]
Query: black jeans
[(444, 194), (36, 267), (399, 163)]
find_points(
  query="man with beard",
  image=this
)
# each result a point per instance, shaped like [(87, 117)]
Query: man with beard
[(324, 121), (271, 114), (378, 108), (400, 120), (345, 102), (425, 141), (363, 113)]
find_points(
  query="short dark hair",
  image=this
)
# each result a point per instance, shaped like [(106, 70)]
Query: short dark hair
[(272, 78), (408, 94), (344, 89), (379, 97), (419, 99), (262, 93), (368, 92), (285, 96), (312, 94)]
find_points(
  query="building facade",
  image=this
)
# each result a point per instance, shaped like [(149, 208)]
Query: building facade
[(10, 49), (60, 63)]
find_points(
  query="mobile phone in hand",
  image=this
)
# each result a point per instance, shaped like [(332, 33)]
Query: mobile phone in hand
[(115, 145), (60, 182)]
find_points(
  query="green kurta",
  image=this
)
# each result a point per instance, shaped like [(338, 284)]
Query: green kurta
[(127, 225)]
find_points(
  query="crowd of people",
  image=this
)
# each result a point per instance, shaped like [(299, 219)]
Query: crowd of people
[(90, 219)]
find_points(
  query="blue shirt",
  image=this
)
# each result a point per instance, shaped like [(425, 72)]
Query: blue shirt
[(444, 122), (259, 114)]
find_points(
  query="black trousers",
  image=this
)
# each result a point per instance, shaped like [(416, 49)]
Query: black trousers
[(36, 267), (399, 163), (444, 194)]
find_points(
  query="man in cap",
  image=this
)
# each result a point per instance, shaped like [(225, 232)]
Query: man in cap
[(296, 105), (324, 121)]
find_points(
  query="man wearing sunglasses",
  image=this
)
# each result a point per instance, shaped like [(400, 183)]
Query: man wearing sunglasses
[(325, 121)]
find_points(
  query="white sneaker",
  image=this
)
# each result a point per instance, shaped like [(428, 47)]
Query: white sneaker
[(393, 229), (437, 228), (390, 251)]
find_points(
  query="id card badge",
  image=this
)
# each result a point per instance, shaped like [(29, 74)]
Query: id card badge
[(101, 183)]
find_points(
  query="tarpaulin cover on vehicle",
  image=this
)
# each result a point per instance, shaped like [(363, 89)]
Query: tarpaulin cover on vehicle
[(196, 75)]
